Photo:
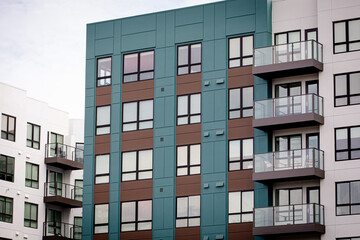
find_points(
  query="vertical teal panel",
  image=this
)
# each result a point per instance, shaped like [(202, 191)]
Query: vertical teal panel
[(170, 28), (209, 22), (220, 20), (90, 42)]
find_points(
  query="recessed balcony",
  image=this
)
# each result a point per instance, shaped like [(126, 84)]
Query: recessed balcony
[(290, 165), (63, 195), (288, 112), (64, 156), (288, 59), (302, 218), (61, 231)]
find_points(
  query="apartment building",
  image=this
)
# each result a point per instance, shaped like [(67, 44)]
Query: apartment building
[(232, 120), (41, 164)]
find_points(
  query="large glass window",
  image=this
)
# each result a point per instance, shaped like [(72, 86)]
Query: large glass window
[(6, 209), (241, 102), (290, 142), (101, 218), (285, 197), (138, 115), (103, 120), (55, 183), (8, 124), (77, 227), (137, 165), (33, 136), (30, 215), (347, 89), (189, 109), (347, 145), (347, 36), (348, 198), (103, 71), (32, 175), (78, 190), (7, 168), (241, 51), (136, 216), (287, 37), (241, 154), (138, 66), (188, 211), (54, 221), (56, 144), (189, 59), (241, 206), (102, 168), (188, 160)]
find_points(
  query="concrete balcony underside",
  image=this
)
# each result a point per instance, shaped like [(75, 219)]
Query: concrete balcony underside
[(64, 163), (63, 202), (315, 228), (289, 175)]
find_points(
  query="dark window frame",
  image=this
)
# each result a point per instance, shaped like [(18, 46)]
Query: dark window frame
[(311, 30), (307, 83), (98, 79), (241, 52), (138, 121), (188, 166), (101, 224), (105, 125), (289, 189), (30, 220), (344, 205), (242, 108), (78, 196), (5, 134), (348, 95), (137, 171), (241, 160), (287, 36), (5, 175), (308, 189), (138, 72), (3, 213), (189, 114), (32, 140), (349, 149), (347, 42), (188, 206), (77, 230), (241, 211), (102, 174), (289, 142), (137, 221), (189, 64), (348, 238), (31, 180)]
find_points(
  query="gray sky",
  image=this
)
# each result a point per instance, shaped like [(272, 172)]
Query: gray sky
[(42, 43)]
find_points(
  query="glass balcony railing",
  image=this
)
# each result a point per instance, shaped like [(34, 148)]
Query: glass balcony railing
[(285, 106), (289, 215), (64, 151), (62, 230), (290, 52), (289, 160), (63, 190)]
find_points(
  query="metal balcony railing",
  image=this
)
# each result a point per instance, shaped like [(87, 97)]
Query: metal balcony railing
[(64, 151), (61, 229), (290, 52), (63, 190)]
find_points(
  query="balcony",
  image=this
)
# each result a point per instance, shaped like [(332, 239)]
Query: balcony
[(288, 112), (63, 195), (299, 164), (302, 218), (61, 231), (288, 59), (63, 156)]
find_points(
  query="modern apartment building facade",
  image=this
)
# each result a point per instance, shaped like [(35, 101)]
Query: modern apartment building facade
[(41, 153), (232, 120)]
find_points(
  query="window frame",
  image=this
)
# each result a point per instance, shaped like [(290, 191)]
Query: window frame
[(3, 213), (7, 174), (241, 161), (78, 196), (241, 206), (137, 121), (104, 77), (30, 220), (349, 149), (138, 71), (188, 165), (344, 205), (189, 64), (311, 30), (348, 238), (287, 36), (347, 42), (242, 108), (136, 221), (137, 171), (348, 95), (102, 174), (6, 132), (31, 171), (101, 224), (104, 125), (76, 231), (241, 57), (32, 141), (189, 114), (187, 210)]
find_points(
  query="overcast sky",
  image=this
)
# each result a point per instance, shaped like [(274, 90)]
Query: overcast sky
[(42, 43)]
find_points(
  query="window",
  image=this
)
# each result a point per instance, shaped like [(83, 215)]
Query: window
[(79, 152), (241, 102), (241, 206), (241, 51), (188, 160), (347, 145), (102, 168), (347, 89), (54, 222), (349, 238), (241, 154), (78, 191), (33, 136), (103, 72), (7, 168), (188, 211), (137, 165), (286, 143), (286, 197), (102, 120), (6, 209), (136, 216), (138, 115), (311, 34), (189, 109), (55, 183), (32, 175), (138, 66), (8, 124), (30, 215), (77, 227), (189, 59), (347, 36), (101, 218), (348, 198), (56, 144), (287, 37)]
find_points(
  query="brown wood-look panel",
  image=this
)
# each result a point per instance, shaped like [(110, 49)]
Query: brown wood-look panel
[(101, 237), (138, 235), (187, 233), (137, 140), (188, 134), (102, 144), (103, 96), (188, 83), (101, 193), (140, 90), (240, 231), (188, 185), (240, 128), (240, 180), (240, 77), (136, 190)]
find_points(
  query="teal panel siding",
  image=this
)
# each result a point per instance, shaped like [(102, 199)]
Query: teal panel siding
[(243, 24), (170, 62), (117, 37), (104, 46), (239, 8), (209, 22), (220, 19), (104, 30), (170, 29), (188, 33), (189, 16), (160, 30), (138, 41), (220, 54), (139, 24), (90, 43)]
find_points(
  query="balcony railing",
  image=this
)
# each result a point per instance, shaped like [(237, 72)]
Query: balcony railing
[(63, 190), (59, 230), (287, 219), (64, 151)]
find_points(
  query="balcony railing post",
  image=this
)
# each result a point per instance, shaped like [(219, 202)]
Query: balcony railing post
[(314, 219), (293, 208)]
